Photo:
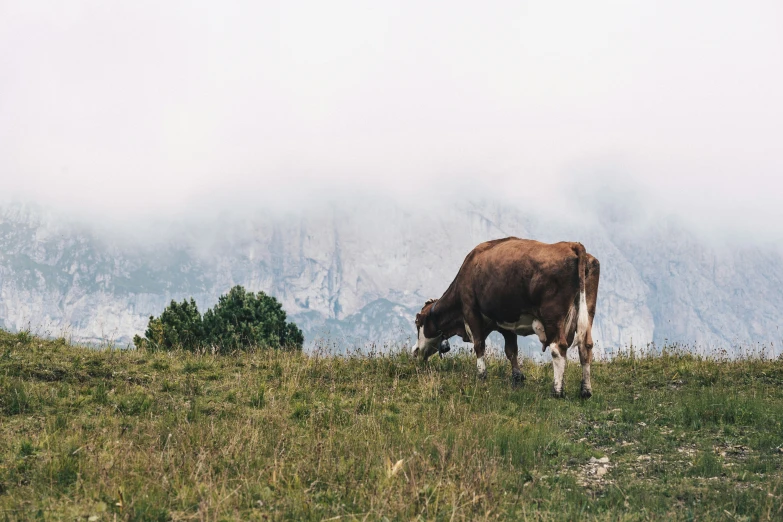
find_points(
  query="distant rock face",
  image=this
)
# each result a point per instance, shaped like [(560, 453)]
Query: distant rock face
[(356, 275)]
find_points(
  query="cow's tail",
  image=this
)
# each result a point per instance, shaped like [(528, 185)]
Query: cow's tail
[(582, 318)]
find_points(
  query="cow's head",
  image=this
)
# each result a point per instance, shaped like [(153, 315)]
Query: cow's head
[(429, 337)]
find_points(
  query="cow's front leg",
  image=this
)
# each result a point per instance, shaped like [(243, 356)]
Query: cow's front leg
[(558, 365), (475, 330), (481, 366), (512, 350), (586, 357)]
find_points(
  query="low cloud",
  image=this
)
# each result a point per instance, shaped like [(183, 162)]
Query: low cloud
[(143, 112)]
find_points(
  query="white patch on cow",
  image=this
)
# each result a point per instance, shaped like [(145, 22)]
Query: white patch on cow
[(583, 321), (570, 323), (538, 328), (525, 325), (558, 364), (426, 345), (467, 331), (482, 368)]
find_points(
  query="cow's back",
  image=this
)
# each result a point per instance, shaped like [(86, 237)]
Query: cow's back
[(511, 276)]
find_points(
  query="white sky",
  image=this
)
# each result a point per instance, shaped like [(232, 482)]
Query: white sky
[(147, 107)]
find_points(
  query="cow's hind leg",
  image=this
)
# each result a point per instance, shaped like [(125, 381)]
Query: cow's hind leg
[(558, 346), (558, 365), (512, 351), (586, 357)]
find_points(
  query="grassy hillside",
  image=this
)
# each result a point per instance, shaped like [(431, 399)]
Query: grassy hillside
[(128, 435)]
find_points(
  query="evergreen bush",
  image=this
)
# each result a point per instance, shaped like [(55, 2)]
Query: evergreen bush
[(240, 320)]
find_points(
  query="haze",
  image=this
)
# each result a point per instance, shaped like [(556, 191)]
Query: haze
[(156, 109)]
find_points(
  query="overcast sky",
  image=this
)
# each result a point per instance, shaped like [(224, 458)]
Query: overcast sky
[(147, 107)]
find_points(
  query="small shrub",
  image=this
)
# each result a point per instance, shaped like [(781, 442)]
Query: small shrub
[(241, 320), (179, 326)]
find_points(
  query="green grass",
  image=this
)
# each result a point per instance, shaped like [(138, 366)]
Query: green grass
[(130, 435)]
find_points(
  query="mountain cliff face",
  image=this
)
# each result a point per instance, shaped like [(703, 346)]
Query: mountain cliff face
[(356, 274)]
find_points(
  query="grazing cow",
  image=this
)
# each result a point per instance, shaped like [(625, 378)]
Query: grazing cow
[(518, 287)]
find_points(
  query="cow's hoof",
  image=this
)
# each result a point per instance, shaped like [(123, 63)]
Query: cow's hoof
[(586, 393), (558, 394), (517, 379), (482, 376)]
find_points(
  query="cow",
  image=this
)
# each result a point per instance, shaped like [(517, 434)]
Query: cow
[(518, 287)]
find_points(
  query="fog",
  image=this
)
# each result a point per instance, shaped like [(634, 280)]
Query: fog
[(134, 112)]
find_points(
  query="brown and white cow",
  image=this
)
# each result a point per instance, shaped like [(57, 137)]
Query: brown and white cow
[(518, 287)]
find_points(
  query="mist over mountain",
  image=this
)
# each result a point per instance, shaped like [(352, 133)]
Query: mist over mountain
[(355, 274), (345, 157)]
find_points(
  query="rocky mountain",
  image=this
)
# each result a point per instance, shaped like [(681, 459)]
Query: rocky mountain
[(354, 275)]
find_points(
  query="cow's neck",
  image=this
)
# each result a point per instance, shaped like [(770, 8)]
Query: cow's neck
[(448, 314)]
